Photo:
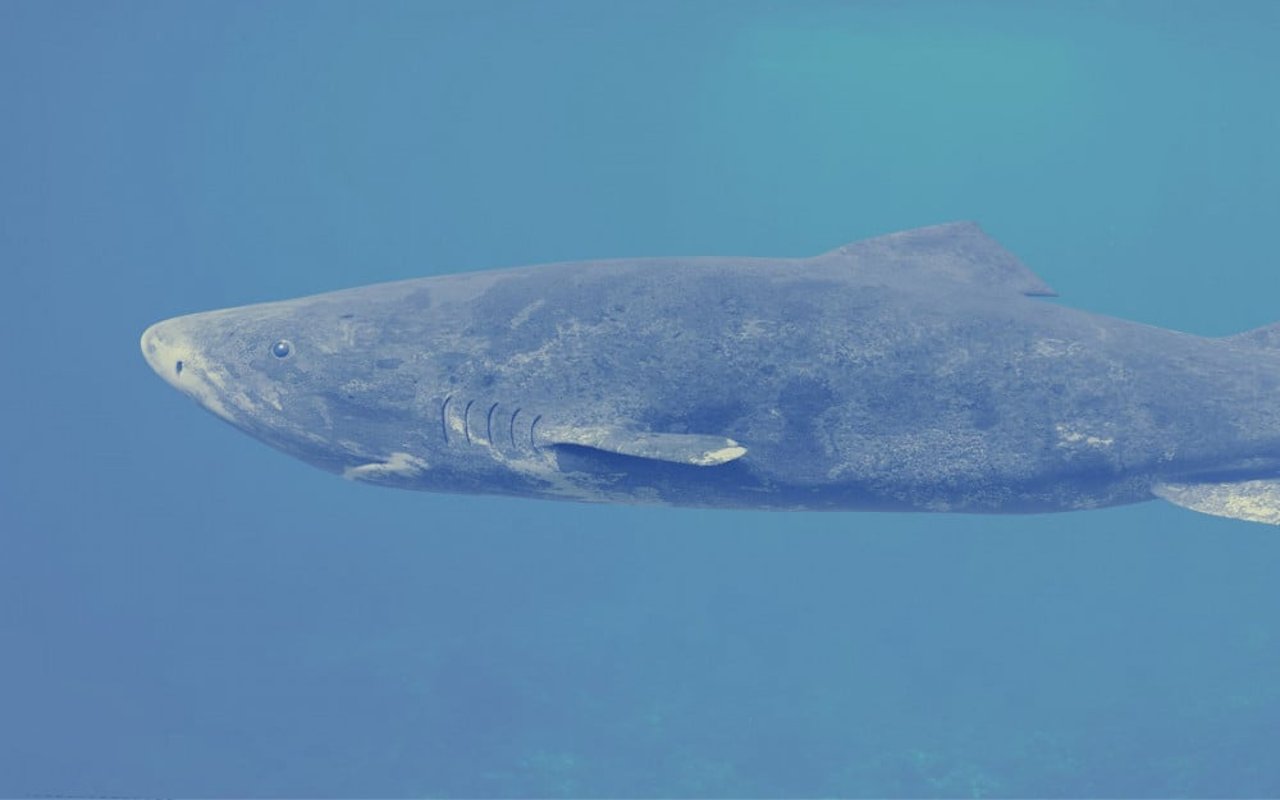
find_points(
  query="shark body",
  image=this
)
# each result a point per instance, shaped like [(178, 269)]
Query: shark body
[(915, 371)]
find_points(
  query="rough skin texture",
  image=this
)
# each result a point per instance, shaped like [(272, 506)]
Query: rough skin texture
[(907, 372)]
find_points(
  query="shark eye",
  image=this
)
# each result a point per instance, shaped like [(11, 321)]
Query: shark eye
[(281, 349)]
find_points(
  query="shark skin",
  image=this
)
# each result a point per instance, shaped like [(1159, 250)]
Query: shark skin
[(911, 372)]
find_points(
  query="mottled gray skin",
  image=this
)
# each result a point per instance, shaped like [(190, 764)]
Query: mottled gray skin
[(910, 372)]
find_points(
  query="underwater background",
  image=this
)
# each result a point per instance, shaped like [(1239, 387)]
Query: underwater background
[(184, 611)]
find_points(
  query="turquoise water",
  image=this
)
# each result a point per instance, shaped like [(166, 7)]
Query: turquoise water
[(186, 612)]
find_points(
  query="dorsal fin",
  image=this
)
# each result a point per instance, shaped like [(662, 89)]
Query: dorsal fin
[(1268, 336), (958, 251)]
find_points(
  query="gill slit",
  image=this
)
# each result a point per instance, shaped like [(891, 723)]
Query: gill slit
[(446, 404), (488, 425), (466, 420)]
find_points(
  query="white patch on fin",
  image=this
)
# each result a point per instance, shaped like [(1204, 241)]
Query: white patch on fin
[(699, 450), (1254, 501), (398, 465), (724, 454)]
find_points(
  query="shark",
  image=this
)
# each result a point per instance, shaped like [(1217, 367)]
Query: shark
[(922, 370)]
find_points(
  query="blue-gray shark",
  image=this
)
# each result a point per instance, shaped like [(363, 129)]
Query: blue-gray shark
[(915, 371)]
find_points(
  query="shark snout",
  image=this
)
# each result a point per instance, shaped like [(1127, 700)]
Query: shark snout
[(163, 350), (171, 352)]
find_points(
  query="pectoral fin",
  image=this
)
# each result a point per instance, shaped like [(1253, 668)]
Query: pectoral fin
[(679, 448), (1255, 501)]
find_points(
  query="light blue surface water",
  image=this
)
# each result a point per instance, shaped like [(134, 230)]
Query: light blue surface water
[(184, 611)]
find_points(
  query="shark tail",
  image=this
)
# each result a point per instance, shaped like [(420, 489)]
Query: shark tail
[(1252, 500)]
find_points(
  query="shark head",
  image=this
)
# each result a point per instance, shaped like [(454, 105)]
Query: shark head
[(311, 377)]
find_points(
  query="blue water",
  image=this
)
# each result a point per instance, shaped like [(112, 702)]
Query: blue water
[(184, 611)]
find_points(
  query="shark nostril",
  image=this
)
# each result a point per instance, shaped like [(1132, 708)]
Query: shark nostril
[(178, 367)]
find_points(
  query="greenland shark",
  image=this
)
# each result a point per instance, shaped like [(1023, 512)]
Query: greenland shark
[(917, 371)]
